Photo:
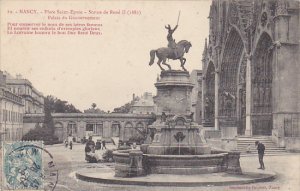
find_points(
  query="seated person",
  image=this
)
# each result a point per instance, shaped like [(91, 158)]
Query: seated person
[(90, 154)]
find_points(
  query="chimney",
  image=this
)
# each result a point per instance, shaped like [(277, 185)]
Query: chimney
[(19, 76), (2, 79), (133, 97)]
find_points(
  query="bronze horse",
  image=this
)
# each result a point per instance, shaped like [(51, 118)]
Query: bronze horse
[(165, 53)]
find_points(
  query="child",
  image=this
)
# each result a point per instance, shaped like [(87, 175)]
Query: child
[(71, 145), (248, 149), (66, 143)]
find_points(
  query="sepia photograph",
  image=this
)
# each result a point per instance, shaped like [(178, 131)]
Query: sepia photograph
[(150, 95)]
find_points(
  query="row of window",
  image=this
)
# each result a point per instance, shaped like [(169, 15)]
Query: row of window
[(12, 96), (11, 116), (13, 135), (20, 91), (17, 91)]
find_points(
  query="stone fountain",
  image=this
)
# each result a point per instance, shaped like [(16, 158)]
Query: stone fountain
[(176, 144)]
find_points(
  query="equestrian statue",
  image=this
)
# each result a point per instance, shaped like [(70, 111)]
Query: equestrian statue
[(174, 51)]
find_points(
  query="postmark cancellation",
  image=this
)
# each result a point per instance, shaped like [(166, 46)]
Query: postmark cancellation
[(22, 165)]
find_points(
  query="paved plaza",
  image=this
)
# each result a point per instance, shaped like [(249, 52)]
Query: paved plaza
[(69, 161)]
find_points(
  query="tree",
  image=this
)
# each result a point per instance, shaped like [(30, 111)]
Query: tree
[(93, 109), (46, 132), (55, 105)]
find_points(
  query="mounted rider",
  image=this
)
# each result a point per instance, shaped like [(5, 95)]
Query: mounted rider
[(171, 42), (174, 51)]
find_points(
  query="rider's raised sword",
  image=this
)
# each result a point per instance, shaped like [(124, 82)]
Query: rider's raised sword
[(178, 17)]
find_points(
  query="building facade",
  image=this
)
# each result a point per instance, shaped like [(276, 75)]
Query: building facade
[(196, 98), (143, 104), (79, 125), (251, 69), (33, 99), (11, 113)]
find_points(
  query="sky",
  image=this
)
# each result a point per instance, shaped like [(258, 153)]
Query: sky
[(105, 69)]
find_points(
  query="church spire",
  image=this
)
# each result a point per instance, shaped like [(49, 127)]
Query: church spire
[(205, 50)]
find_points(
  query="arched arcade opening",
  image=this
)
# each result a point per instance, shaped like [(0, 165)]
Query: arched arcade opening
[(262, 78), (209, 99), (228, 86)]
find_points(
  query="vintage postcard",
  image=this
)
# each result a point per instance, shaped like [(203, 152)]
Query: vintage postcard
[(149, 95)]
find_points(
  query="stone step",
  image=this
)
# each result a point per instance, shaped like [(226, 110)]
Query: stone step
[(271, 150), (253, 150), (252, 145), (266, 154), (257, 139), (253, 142), (265, 147), (268, 148), (254, 138), (271, 147), (243, 150)]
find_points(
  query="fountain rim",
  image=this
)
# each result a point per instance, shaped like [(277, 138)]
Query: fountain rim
[(187, 156), (126, 153)]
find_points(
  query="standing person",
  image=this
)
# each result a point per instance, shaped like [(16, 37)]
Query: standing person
[(261, 152), (103, 145), (90, 142), (71, 145), (98, 145)]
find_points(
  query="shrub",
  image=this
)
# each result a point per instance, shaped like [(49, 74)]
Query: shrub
[(41, 134)]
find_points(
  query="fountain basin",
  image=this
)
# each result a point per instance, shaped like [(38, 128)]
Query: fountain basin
[(131, 163), (184, 164), (176, 150), (128, 163)]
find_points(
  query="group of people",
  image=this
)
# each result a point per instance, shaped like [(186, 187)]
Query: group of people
[(91, 147), (70, 144), (100, 145)]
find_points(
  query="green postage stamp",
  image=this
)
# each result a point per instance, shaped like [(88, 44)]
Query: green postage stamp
[(23, 165)]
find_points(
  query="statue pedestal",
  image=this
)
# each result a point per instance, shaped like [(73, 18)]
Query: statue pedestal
[(174, 93), (176, 134)]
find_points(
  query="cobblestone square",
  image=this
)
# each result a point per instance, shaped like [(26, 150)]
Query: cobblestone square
[(286, 166)]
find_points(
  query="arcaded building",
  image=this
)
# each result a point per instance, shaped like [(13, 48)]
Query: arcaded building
[(251, 83)]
